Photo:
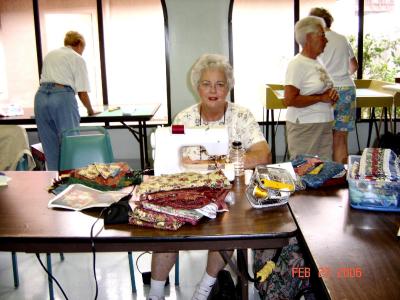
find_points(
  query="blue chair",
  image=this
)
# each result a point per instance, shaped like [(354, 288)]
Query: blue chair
[(84, 145)]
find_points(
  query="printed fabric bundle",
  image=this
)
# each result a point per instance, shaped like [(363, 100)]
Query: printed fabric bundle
[(105, 176), (169, 201), (374, 180), (314, 172), (379, 164), (100, 176)]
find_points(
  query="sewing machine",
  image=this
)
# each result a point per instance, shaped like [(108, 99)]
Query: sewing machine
[(167, 144)]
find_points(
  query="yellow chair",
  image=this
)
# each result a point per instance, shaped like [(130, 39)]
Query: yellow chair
[(373, 93), (273, 101)]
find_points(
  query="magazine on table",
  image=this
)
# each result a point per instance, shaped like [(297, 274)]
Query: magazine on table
[(78, 197)]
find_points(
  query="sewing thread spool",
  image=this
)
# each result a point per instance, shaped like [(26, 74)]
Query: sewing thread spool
[(178, 129), (259, 192)]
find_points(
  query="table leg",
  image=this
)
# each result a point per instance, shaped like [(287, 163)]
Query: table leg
[(141, 146), (386, 120), (242, 262), (267, 126), (139, 136), (146, 153), (371, 123), (273, 150), (240, 269)]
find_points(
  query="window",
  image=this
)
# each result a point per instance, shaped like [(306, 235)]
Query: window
[(134, 46), (58, 17), (263, 43), (344, 13), (381, 40), (18, 67), (262, 34), (135, 53)]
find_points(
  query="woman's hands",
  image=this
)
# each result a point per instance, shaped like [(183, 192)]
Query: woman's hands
[(330, 96), (293, 97)]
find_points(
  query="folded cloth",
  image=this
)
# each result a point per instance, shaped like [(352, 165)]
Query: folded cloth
[(105, 176), (315, 173), (148, 218), (187, 215), (184, 180), (330, 170), (187, 198), (304, 165)]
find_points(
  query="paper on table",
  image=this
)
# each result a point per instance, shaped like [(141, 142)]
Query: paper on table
[(4, 180), (287, 166), (79, 197), (11, 110)]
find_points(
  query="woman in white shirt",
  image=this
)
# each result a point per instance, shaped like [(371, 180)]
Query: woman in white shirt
[(309, 94), (64, 74)]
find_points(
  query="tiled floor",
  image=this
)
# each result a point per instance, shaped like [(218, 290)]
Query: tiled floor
[(75, 274)]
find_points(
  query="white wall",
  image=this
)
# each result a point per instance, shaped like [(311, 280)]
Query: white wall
[(196, 27)]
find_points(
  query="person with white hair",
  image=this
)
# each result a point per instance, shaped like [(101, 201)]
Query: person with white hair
[(212, 79), (309, 94), (339, 60), (64, 74)]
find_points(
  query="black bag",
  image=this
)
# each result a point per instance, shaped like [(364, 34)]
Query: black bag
[(224, 287), (389, 141), (118, 212)]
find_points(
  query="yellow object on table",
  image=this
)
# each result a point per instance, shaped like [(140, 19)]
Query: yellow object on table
[(276, 185)]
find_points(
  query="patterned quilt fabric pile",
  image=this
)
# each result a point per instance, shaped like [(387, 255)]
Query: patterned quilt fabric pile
[(315, 173), (169, 201), (100, 176), (378, 164)]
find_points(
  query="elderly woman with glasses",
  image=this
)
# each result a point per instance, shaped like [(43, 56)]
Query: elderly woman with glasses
[(309, 94), (212, 79)]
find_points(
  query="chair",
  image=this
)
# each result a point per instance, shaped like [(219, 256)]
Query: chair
[(84, 145), (14, 149), (274, 101), (15, 156)]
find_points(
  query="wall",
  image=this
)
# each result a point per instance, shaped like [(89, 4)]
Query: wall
[(195, 27)]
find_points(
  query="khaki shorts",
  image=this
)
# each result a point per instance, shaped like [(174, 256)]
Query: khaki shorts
[(310, 138)]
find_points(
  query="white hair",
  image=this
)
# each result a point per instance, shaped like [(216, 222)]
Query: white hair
[(211, 61), (310, 24)]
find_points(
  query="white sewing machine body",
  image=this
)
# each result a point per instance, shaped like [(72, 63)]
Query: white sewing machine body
[(167, 147)]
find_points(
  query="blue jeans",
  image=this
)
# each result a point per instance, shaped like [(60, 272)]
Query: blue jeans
[(56, 110)]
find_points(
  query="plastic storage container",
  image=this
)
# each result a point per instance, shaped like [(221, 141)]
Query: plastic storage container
[(275, 193), (370, 194), (236, 156)]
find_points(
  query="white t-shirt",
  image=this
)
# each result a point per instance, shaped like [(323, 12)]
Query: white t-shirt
[(240, 122), (67, 67), (310, 77), (336, 58)]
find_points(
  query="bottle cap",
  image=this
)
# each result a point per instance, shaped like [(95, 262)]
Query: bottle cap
[(236, 144)]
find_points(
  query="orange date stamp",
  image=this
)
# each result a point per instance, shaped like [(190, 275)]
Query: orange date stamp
[(327, 272)]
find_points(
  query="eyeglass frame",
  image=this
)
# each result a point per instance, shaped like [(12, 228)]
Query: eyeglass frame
[(208, 85)]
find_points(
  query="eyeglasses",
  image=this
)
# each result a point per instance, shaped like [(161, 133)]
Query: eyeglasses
[(208, 85), (321, 34)]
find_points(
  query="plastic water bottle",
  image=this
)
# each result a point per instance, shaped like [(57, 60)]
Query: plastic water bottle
[(236, 156)]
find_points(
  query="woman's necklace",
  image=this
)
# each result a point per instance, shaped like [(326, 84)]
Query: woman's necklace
[(223, 120), (223, 123)]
